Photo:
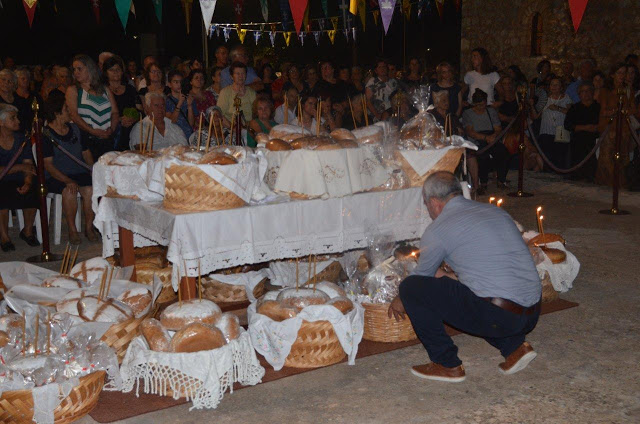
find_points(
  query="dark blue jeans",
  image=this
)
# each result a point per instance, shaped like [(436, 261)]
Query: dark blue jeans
[(431, 302)]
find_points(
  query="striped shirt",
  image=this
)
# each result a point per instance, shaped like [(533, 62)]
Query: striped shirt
[(553, 118), (481, 243), (94, 110)]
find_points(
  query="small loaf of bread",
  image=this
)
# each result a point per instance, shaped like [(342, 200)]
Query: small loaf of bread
[(10, 321), (197, 337), (275, 145), (331, 289), (90, 270), (343, 304), (229, 325), (556, 256), (342, 134), (287, 132), (275, 311), (262, 138), (179, 315), (90, 309), (348, 144), (156, 335), (63, 282), (138, 299), (218, 158), (546, 238), (4, 338)]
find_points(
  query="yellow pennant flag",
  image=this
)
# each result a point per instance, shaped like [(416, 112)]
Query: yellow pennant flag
[(305, 20), (287, 37), (353, 7), (334, 22), (332, 35), (406, 6), (362, 10), (376, 15), (241, 34)]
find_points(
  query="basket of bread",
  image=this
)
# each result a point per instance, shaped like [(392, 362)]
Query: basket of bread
[(306, 326), (193, 351), (238, 284), (221, 178), (124, 175), (52, 363)]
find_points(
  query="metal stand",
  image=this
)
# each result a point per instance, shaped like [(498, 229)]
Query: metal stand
[(616, 160), (523, 122), (46, 255)]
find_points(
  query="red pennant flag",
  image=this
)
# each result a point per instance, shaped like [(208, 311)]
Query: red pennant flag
[(30, 9), (96, 10), (577, 8), (297, 10), (238, 6), (440, 6)]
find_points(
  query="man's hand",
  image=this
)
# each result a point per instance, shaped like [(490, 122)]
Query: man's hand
[(396, 309), (24, 188)]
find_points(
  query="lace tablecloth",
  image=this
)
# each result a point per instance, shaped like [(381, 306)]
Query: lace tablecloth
[(254, 234)]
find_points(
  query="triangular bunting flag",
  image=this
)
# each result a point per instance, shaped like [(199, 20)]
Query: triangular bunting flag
[(186, 7), (362, 10), (272, 37), (334, 22), (376, 15), (287, 37), (286, 13), (325, 9), (157, 5), (332, 35), (406, 8), (440, 6), (30, 9), (305, 20), (321, 23), (316, 35), (242, 33), (353, 33), (346, 34), (238, 6), (353, 6), (207, 7), (387, 7), (301, 37), (297, 10), (95, 5), (577, 8), (226, 32), (256, 36), (264, 8), (123, 7)]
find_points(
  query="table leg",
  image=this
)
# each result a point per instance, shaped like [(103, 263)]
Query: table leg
[(188, 288), (127, 257)]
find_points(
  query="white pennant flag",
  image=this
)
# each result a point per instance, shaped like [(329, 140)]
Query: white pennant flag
[(316, 35), (257, 35), (346, 34), (207, 7), (301, 37), (217, 31), (272, 37), (353, 33), (226, 31)]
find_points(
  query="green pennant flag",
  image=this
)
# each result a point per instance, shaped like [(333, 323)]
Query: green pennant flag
[(325, 8), (157, 5), (123, 7)]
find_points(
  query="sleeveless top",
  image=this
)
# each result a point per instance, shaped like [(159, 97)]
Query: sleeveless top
[(94, 110), (251, 142)]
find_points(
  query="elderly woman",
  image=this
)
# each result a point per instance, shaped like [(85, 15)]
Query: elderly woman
[(92, 106), (17, 190), (155, 83), (446, 82), (8, 84), (239, 90), (125, 95), (442, 110), (482, 125), (262, 123), (67, 176)]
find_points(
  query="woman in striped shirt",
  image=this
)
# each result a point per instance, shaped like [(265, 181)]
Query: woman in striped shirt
[(92, 107)]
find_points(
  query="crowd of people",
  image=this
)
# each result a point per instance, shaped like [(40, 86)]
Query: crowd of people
[(93, 107)]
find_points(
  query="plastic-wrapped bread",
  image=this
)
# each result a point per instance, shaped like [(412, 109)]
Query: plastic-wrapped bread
[(262, 138), (179, 315), (274, 310), (229, 325), (330, 289), (69, 303), (191, 156), (90, 270), (343, 304), (348, 144), (108, 157), (369, 135), (91, 309), (128, 159), (276, 145), (217, 158), (287, 132), (10, 321), (197, 337), (156, 335), (342, 134), (175, 150), (301, 298), (63, 282), (138, 299), (270, 295), (4, 338)]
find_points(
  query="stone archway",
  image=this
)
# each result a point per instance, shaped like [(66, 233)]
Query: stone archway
[(541, 8)]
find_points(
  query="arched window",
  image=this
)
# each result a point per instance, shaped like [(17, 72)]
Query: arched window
[(536, 35)]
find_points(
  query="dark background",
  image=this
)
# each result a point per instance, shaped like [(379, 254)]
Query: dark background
[(56, 37)]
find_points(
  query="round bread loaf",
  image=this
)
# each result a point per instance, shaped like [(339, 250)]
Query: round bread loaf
[(63, 282), (90, 270), (331, 289), (90, 309), (369, 135), (407, 253), (342, 134), (343, 304), (556, 256), (138, 299), (334, 146), (363, 263), (274, 310), (191, 156), (178, 316), (306, 142), (348, 144), (69, 302), (197, 337), (546, 238), (262, 138), (4, 338), (218, 158), (10, 321), (287, 132), (275, 145), (175, 150), (299, 299), (229, 325), (128, 158), (156, 335)]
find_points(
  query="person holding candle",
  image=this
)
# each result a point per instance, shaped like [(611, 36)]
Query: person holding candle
[(493, 292), (165, 133)]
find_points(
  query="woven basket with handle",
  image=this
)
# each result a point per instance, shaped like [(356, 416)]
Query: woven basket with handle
[(449, 162), (145, 273), (119, 335), (378, 327), (16, 407), (188, 188), (548, 292), (317, 345)]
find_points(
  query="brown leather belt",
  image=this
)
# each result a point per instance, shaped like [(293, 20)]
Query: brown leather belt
[(513, 307)]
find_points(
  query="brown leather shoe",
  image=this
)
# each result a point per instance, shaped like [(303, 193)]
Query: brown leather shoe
[(433, 371), (519, 359)]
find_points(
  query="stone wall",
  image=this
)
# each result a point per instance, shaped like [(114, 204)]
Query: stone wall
[(610, 30)]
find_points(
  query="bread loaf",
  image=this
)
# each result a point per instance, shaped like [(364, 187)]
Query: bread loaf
[(229, 325), (369, 135), (287, 132), (179, 315), (335, 146), (299, 299), (69, 303), (546, 238), (330, 289), (217, 158), (90, 270), (90, 309), (138, 299), (4, 338), (556, 256), (63, 282), (343, 304), (191, 156), (128, 158), (196, 337), (348, 144), (9, 321), (342, 134), (156, 335), (262, 138), (275, 145), (275, 311)]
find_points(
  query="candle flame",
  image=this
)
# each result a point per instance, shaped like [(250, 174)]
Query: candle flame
[(499, 203), (539, 209), (541, 217), (491, 199)]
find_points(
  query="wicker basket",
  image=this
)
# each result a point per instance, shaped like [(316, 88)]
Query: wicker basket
[(188, 188), (331, 273), (317, 345), (378, 327), (145, 273), (16, 407), (219, 292), (449, 162), (548, 292), (119, 335)]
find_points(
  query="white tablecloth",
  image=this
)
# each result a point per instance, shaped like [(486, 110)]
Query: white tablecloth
[(253, 234)]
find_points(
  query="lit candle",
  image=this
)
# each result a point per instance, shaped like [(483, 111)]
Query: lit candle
[(538, 217), (499, 203), (541, 227), (491, 199)]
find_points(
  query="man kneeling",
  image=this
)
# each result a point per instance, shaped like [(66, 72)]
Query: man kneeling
[(494, 293)]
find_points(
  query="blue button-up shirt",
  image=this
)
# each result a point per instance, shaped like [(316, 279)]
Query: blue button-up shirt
[(481, 243)]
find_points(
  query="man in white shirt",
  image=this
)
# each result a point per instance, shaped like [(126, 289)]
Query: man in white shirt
[(165, 132), (292, 99)]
